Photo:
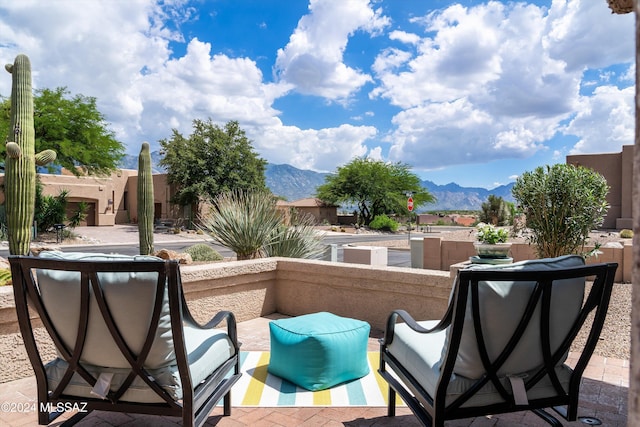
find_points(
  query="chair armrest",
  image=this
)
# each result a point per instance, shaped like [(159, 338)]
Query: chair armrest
[(232, 330), (411, 323)]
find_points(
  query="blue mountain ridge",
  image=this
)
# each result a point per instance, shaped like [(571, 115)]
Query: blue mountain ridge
[(292, 184)]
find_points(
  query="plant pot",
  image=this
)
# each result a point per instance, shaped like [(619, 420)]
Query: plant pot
[(492, 250)]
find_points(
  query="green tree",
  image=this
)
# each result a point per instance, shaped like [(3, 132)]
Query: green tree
[(375, 187), (210, 161), (562, 204), (495, 211), (73, 127)]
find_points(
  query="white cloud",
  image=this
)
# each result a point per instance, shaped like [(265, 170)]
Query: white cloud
[(313, 59), (497, 80), (404, 37), (604, 122), (584, 33), (319, 150)]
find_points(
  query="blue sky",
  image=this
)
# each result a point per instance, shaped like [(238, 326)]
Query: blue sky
[(472, 92)]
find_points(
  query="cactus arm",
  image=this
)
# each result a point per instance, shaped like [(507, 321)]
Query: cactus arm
[(45, 157), (13, 150), (145, 201)]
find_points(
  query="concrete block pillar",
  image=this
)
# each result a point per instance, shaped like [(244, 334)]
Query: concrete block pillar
[(432, 247), (330, 253), (417, 252), (371, 255)]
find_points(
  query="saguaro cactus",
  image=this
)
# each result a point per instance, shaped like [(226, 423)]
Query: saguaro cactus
[(145, 201), (21, 160)]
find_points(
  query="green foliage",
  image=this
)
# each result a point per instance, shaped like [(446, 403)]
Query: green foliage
[(79, 215), (298, 239), (495, 211), (5, 276), (375, 187), (562, 204), (73, 127), (52, 210), (210, 161), (249, 223), (487, 233), (203, 252), (384, 223), (626, 234)]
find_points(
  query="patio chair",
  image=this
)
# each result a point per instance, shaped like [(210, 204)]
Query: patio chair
[(124, 338), (502, 344)]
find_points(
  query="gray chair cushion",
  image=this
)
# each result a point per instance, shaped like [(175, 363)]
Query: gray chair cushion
[(420, 354), (501, 308), (207, 350), (130, 297)]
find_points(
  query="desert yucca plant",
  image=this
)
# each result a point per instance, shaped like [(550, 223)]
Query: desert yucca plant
[(249, 223), (243, 221), (299, 239)]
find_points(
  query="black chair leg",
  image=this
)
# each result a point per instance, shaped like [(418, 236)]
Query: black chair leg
[(391, 410), (227, 404)]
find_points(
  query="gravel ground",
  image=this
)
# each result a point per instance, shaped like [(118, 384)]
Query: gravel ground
[(615, 339)]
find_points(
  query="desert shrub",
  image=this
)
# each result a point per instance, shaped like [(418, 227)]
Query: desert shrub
[(203, 252), (626, 234), (384, 223), (495, 211), (562, 204)]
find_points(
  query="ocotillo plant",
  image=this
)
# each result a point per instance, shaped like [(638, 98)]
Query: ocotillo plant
[(145, 201), (21, 160)]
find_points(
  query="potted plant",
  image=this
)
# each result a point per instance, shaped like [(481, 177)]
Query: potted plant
[(492, 242)]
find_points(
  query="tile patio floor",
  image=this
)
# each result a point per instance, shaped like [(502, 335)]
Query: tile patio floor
[(603, 395)]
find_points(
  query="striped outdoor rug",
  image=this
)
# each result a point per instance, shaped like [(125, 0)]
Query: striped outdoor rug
[(258, 388)]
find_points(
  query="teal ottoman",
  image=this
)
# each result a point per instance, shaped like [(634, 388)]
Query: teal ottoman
[(317, 351)]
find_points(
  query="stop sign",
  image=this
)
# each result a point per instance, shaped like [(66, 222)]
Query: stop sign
[(410, 204)]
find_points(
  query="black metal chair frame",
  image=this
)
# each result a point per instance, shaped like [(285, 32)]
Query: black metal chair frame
[(432, 410), (197, 400)]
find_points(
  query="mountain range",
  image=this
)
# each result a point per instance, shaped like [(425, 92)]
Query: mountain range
[(292, 184)]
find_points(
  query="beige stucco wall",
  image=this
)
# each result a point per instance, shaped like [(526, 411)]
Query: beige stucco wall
[(617, 169), (259, 287), (440, 254)]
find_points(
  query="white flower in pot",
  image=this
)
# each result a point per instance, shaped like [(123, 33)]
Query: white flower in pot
[(492, 241)]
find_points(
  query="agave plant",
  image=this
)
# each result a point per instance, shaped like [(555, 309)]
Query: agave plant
[(249, 223), (243, 221), (299, 239)]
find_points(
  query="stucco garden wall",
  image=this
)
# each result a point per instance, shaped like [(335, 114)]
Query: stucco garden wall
[(440, 254), (256, 288)]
